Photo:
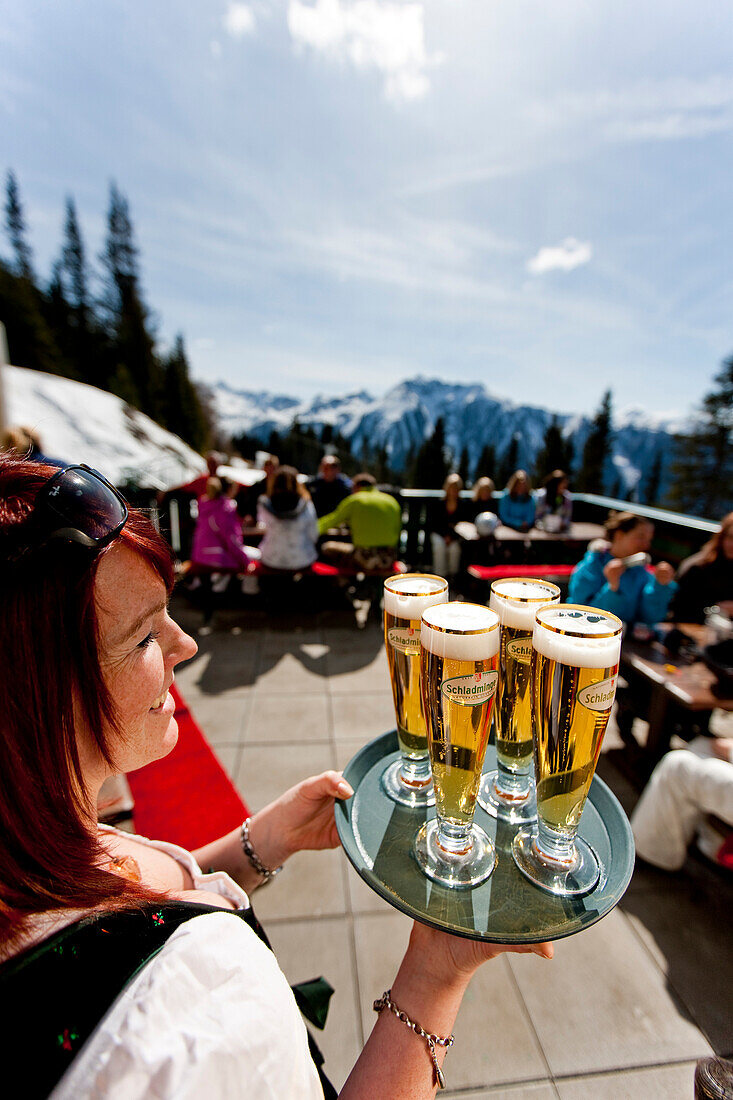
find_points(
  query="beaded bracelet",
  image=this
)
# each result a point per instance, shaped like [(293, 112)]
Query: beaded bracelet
[(385, 1001), (265, 872)]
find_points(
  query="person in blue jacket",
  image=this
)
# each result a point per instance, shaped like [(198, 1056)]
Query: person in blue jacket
[(605, 579), (517, 506)]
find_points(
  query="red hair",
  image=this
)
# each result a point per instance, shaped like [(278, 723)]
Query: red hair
[(51, 679)]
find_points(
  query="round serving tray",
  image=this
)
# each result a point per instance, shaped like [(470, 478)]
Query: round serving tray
[(377, 836)]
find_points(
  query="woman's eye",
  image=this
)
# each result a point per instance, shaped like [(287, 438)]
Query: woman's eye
[(149, 639)]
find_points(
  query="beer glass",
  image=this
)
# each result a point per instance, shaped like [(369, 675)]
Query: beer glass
[(408, 780), (459, 657), (573, 682), (508, 792)]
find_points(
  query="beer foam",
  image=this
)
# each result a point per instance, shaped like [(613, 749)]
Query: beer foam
[(457, 617), (508, 601), (409, 595), (572, 648)]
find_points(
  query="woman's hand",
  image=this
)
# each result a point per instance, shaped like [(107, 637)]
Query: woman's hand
[(446, 959), (300, 819), (664, 572), (612, 571)]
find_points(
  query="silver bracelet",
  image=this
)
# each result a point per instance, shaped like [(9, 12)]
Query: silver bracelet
[(265, 872), (385, 1001)]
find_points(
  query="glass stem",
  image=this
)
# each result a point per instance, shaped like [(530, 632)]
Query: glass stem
[(514, 784), (454, 837), (415, 770), (556, 846)]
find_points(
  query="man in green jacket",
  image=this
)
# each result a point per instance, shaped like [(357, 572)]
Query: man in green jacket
[(374, 520)]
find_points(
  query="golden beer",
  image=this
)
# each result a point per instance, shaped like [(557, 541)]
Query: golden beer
[(405, 599), (572, 705), (459, 661), (573, 683), (516, 601), (459, 677)]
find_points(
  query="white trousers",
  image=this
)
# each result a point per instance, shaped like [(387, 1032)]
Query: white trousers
[(684, 786), (446, 556)]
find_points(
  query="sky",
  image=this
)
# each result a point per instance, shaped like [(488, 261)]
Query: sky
[(331, 195)]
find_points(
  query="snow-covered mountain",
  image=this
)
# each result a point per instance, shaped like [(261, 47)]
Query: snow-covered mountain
[(78, 423), (406, 415)]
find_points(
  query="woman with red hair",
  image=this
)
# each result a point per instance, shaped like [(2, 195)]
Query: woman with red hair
[(125, 969)]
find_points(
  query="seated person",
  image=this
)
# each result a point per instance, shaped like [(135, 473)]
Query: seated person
[(217, 538), (440, 526), (686, 785), (603, 579), (248, 495), (329, 487), (374, 520), (706, 579), (132, 966), (554, 503), (290, 524), (517, 507), (482, 499)]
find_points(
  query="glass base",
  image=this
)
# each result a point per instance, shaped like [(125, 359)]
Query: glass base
[(406, 794), (513, 810), (572, 879), (454, 869)]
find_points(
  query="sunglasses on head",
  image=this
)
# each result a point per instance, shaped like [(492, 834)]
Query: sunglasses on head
[(79, 505)]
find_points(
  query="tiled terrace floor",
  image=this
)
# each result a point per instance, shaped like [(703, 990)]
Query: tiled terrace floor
[(625, 1009)]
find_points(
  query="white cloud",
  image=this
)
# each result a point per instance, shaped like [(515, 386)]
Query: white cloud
[(239, 19), (648, 110), (563, 257), (369, 34)]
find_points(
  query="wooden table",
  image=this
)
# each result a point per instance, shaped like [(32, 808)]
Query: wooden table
[(676, 688), (576, 533)]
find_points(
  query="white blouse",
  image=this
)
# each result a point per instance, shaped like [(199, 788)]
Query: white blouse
[(211, 1015)]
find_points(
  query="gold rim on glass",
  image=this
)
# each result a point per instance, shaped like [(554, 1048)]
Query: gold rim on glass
[(522, 580), (464, 633), (411, 576), (585, 635)]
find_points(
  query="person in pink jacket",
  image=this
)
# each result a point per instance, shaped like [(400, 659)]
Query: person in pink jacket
[(217, 540)]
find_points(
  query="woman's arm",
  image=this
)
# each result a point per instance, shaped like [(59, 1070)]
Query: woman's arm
[(433, 977), (300, 819), (655, 600)]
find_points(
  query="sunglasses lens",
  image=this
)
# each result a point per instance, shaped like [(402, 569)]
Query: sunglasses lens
[(84, 501)]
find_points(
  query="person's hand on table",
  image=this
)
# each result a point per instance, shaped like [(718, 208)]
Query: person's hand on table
[(612, 571), (664, 572), (301, 819)]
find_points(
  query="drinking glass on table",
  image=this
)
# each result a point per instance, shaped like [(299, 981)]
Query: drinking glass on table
[(574, 669), (408, 780), (459, 655), (507, 792)]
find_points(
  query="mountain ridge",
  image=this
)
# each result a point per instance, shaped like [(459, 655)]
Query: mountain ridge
[(402, 418)]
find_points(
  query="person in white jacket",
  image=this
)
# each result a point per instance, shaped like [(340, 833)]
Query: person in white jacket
[(288, 516)]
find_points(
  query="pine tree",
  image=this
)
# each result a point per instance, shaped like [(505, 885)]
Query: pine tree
[(30, 341), (486, 465), (597, 450), (184, 414), (508, 463), (555, 454), (463, 471), (702, 472), (431, 466), (128, 322), (15, 224), (654, 480)]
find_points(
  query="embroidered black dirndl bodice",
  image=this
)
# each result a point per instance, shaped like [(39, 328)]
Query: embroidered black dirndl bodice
[(54, 994)]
